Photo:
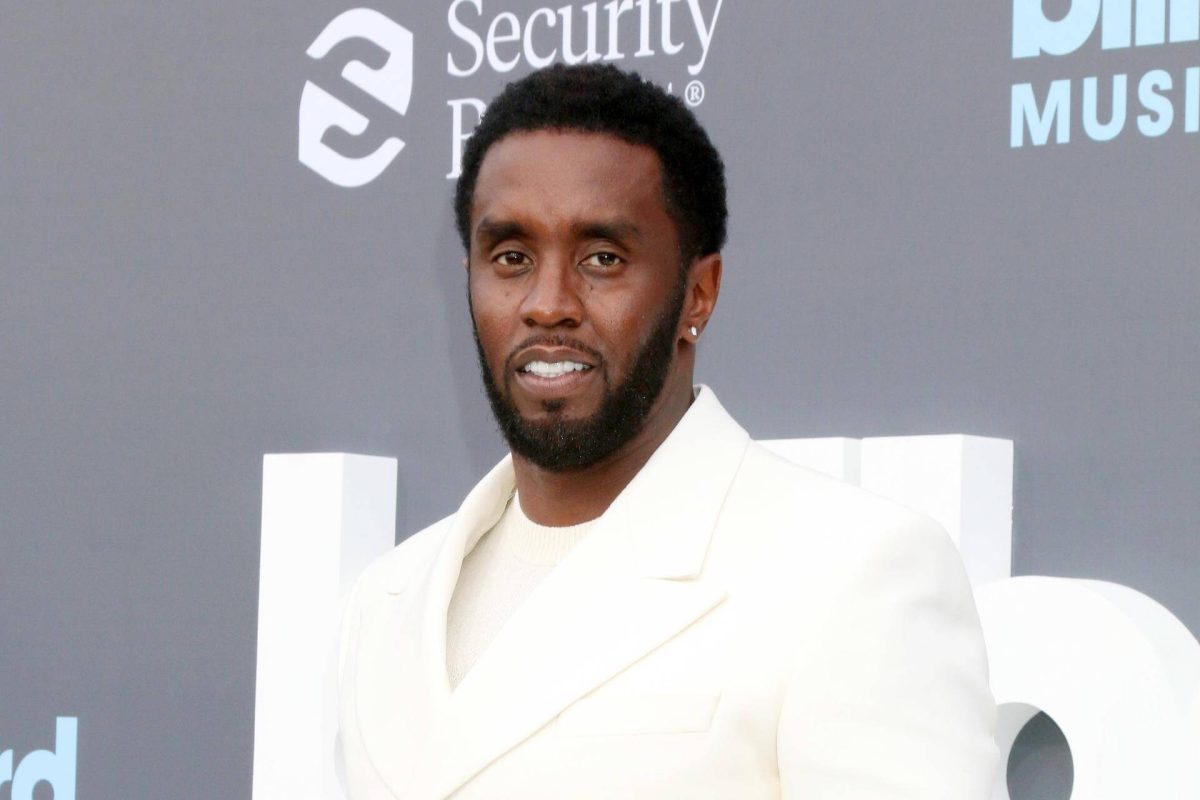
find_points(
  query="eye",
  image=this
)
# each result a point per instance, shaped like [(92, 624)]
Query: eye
[(511, 259), (602, 260)]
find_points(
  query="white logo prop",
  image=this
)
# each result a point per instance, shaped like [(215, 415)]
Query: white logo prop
[(1113, 668), (1116, 671), (325, 516)]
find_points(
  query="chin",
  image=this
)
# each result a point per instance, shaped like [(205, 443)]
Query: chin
[(558, 409)]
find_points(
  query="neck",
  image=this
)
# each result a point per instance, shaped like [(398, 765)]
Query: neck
[(572, 497)]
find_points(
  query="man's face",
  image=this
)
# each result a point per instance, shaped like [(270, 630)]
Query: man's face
[(576, 291)]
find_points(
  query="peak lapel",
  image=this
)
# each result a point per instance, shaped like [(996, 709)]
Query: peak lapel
[(556, 650), (632, 585), (401, 686)]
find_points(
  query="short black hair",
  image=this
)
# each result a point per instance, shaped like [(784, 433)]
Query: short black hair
[(598, 98)]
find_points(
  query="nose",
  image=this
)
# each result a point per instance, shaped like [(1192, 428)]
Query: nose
[(553, 299)]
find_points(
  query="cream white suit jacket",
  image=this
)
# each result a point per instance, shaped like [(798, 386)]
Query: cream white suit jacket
[(735, 627)]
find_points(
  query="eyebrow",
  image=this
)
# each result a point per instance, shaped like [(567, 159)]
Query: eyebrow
[(619, 230), (489, 230), (497, 230)]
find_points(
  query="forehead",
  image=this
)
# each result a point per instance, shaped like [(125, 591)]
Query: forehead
[(565, 177)]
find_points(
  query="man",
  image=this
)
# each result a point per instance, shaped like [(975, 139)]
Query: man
[(640, 602)]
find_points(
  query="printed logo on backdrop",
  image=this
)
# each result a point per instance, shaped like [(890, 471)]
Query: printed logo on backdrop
[(53, 767), (503, 42), (486, 39), (390, 84), (1163, 101)]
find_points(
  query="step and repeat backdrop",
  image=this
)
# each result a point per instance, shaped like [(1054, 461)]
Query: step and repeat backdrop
[(225, 230)]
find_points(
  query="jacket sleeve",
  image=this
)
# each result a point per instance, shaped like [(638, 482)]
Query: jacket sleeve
[(892, 701)]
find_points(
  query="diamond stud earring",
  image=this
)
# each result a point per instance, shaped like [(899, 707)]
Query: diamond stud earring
[(692, 330)]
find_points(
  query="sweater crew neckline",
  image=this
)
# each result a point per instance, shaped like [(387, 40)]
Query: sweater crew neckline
[(541, 544)]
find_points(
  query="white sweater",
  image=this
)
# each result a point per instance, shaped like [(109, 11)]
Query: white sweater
[(497, 575)]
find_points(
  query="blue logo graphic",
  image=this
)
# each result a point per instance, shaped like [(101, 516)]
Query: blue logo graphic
[(1154, 103), (55, 767)]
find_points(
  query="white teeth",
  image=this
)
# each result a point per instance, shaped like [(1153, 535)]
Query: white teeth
[(553, 369)]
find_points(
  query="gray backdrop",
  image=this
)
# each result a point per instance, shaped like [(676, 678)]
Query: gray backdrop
[(179, 295)]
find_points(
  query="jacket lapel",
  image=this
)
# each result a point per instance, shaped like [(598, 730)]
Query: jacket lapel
[(631, 585), (401, 685)]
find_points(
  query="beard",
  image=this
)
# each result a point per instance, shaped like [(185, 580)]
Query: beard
[(561, 444)]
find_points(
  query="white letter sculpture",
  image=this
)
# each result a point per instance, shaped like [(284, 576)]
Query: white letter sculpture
[(325, 516)]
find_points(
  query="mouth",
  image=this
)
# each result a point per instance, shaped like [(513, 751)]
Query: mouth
[(554, 373), (544, 381), (550, 370)]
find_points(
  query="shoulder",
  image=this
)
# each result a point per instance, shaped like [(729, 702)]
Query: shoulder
[(388, 573), (395, 568), (833, 531), (793, 496)]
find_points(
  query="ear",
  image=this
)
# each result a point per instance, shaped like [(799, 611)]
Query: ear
[(700, 300)]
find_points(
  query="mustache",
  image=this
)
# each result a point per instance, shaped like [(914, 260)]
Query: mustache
[(553, 340)]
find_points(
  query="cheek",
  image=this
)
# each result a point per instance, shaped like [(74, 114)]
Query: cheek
[(493, 323), (625, 328)]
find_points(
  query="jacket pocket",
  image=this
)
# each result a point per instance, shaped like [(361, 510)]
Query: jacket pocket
[(615, 713)]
